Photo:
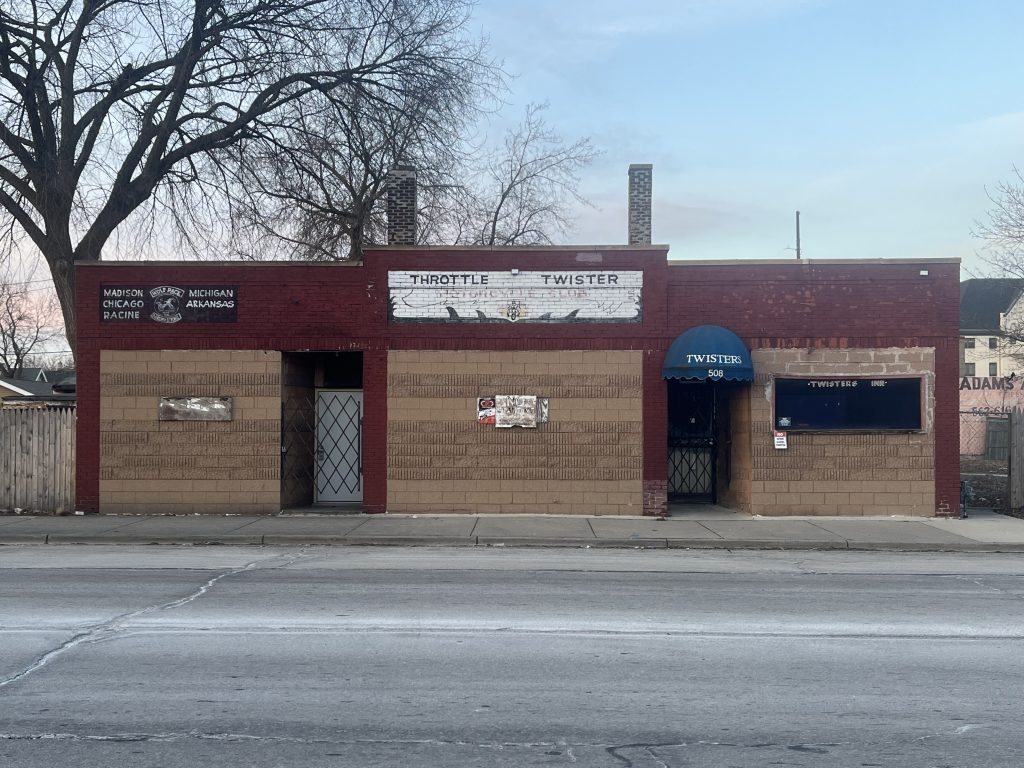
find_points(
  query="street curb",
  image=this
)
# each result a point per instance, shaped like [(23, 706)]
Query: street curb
[(286, 539), (299, 539), (966, 546), (410, 541), (552, 541), (224, 540), (28, 538), (765, 544)]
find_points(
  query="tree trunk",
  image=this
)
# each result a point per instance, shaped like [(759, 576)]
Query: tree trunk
[(62, 269)]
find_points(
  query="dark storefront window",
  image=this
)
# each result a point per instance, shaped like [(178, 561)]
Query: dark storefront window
[(861, 404)]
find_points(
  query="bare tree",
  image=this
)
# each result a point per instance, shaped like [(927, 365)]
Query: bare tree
[(1003, 230), (1002, 233), (111, 106), (525, 191), (29, 322), (317, 201)]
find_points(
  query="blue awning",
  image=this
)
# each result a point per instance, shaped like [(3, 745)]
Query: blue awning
[(708, 352)]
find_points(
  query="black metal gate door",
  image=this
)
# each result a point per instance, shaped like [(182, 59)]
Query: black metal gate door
[(691, 441)]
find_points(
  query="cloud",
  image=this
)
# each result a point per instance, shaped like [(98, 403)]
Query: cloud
[(916, 195), (568, 34), (672, 17), (675, 220)]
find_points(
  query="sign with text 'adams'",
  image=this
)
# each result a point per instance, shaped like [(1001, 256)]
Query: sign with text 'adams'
[(511, 296), (168, 304)]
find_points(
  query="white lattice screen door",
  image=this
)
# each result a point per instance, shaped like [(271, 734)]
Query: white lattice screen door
[(339, 445)]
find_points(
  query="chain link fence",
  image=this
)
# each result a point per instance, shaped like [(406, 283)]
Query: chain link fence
[(985, 459)]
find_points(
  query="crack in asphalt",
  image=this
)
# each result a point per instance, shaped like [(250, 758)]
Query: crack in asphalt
[(612, 749), (978, 580), (958, 731), (627, 755), (105, 629), (245, 737), (654, 756), (801, 566)]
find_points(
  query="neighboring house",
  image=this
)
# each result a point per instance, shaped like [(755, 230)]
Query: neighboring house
[(30, 374), (41, 394), (21, 388), (57, 375), (47, 375), (990, 308)]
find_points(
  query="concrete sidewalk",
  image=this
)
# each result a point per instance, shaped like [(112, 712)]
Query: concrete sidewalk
[(714, 529)]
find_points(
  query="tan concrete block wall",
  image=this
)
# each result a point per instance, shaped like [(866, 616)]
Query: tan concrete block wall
[(734, 491), (586, 460), (842, 473), (186, 467)]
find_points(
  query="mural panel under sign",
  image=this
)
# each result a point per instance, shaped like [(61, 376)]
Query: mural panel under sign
[(512, 296), (516, 411), (194, 409), (168, 303)]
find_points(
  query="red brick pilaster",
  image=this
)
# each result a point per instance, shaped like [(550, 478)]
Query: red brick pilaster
[(375, 431), (655, 435)]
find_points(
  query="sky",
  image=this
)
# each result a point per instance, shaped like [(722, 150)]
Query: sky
[(883, 123)]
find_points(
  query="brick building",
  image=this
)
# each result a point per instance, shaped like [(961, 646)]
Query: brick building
[(572, 380)]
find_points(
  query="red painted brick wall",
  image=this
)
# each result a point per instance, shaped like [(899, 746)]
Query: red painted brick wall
[(288, 306), (842, 305)]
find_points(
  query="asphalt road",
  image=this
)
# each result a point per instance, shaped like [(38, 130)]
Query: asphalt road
[(184, 656)]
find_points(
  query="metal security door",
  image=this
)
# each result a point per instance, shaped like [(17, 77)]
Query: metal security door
[(339, 446), (691, 442)]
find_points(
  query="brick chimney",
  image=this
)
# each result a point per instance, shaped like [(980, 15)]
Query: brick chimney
[(640, 182), (401, 196)]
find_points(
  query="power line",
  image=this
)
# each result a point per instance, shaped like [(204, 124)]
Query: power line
[(29, 282)]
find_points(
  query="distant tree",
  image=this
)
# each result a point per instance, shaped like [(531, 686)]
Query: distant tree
[(29, 323), (1003, 229), (116, 111), (1002, 232), (525, 191)]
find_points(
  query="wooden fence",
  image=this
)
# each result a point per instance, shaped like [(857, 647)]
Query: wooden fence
[(37, 460), (1016, 463)]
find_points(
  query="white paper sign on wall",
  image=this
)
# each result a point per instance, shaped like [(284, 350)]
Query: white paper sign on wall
[(781, 440)]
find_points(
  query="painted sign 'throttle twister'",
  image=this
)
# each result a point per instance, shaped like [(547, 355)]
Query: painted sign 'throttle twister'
[(597, 296)]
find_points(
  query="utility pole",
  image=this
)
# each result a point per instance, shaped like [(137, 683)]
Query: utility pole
[(798, 234)]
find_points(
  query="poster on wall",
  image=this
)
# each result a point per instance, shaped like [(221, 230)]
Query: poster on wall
[(514, 296), (485, 412), (168, 304), (516, 411)]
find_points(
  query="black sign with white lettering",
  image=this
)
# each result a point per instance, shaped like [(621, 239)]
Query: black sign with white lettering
[(864, 404), (168, 304)]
